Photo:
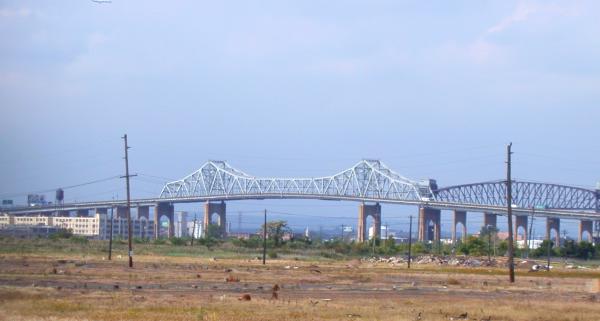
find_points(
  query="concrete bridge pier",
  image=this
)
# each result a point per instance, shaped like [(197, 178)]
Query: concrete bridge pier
[(553, 223), (365, 211), (220, 209), (586, 226), (490, 219), (122, 212), (143, 211), (83, 213), (427, 216), (160, 210), (521, 221), (459, 217)]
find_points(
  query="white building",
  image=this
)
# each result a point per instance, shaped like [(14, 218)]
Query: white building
[(140, 228), (97, 226), (180, 224), (190, 229)]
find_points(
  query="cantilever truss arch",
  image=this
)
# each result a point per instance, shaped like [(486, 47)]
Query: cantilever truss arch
[(368, 179)]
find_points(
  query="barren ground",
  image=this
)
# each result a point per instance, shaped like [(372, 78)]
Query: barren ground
[(49, 287)]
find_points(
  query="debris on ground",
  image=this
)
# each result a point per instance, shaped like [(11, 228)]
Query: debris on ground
[(232, 278), (245, 297), (462, 316), (434, 259)]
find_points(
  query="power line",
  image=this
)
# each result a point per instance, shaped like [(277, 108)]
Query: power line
[(64, 187)]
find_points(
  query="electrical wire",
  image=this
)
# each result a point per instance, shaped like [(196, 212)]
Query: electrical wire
[(64, 188)]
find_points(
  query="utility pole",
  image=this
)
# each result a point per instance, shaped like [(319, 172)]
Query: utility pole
[(409, 239), (548, 246), (111, 234), (128, 201), (386, 230), (530, 235), (265, 239), (511, 265), (343, 232), (489, 232), (194, 228)]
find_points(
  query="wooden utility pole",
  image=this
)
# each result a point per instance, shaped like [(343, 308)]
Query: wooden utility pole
[(128, 201), (409, 240), (511, 265), (110, 234), (194, 228), (265, 240)]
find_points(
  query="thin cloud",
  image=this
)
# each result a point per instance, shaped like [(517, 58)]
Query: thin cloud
[(522, 12), (525, 10), (10, 13)]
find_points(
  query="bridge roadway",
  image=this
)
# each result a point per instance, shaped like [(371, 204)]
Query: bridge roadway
[(499, 210)]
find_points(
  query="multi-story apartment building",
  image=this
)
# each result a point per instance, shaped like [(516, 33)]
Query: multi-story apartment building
[(97, 226)]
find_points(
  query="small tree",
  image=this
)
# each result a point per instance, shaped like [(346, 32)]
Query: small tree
[(275, 231)]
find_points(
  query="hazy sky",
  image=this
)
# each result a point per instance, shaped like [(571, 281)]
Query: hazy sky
[(296, 88)]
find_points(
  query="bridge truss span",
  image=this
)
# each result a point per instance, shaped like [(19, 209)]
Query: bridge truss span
[(525, 195), (368, 179)]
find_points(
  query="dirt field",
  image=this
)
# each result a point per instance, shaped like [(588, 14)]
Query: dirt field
[(38, 287)]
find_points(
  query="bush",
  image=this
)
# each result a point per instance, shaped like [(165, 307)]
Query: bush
[(272, 254), (79, 239), (61, 234), (178, 241), (160, 241)]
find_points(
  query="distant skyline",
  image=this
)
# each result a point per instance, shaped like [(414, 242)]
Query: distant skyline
[(292, 89)]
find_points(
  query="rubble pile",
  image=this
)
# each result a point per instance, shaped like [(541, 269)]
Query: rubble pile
[(434, 259)]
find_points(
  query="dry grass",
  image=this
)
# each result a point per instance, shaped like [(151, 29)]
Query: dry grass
[(168, 288)]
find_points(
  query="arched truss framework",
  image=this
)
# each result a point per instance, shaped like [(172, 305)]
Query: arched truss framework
[(368, 179)]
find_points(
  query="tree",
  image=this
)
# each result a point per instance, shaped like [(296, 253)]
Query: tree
[(585, 250), (213, 231), (276, 230)]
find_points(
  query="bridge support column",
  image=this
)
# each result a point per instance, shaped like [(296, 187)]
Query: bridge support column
[(459, 217), (220, 209), (121, 212), (167, 210), (521, 221), (83, 213), (143, 211), (427, 215), (553, 223), (365, 211), (586, 226), (490, 219)]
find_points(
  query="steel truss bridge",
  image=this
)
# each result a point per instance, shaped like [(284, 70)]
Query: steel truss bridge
[(366, 181)]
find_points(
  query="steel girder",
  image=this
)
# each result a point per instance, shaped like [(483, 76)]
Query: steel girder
[(368, 179), (525, 195)]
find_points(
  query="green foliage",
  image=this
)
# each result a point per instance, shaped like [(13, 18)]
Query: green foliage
[(79, 239), (159, 241), (473, 246), (254, 242), (178, 241), (209, 242), (213, 231), (272, 254), (276, 230), (542, 250), (61, 234)]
